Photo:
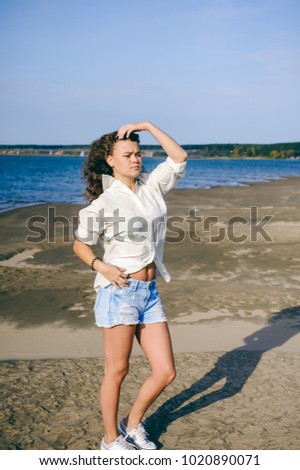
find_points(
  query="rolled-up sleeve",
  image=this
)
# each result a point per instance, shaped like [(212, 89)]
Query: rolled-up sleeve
[(165, 176), (90, 225)]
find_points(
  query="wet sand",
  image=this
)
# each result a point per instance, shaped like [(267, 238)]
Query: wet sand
[(233, 310)]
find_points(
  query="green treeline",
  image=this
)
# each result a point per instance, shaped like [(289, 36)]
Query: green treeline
[(284, 150), (275, 151)]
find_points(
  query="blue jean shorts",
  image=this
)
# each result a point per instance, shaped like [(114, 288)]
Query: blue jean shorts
[(138, 302)]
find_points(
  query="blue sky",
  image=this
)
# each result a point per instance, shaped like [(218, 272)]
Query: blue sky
[(205, 71)]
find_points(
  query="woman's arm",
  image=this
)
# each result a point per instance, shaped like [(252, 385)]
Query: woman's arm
[(172, 149), (113, 273)]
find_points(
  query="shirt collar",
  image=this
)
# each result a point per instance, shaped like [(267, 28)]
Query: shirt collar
[(108, 180)]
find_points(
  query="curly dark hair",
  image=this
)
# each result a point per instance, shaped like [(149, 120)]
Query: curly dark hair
[(95, 164)]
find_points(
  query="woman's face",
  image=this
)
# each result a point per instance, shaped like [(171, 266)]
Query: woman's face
[(126, 159)]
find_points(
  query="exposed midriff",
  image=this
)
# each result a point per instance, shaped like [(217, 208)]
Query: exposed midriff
[(145, 274)]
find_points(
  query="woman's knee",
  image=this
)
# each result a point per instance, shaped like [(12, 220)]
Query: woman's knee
[(171, 375), (166, 376), (116, 372)]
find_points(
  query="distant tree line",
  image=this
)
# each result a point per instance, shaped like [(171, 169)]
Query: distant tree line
[(278, 151), (275, 151)]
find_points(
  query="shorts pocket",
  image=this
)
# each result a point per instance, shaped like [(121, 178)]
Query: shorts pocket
[(123, 290), (123, 308)]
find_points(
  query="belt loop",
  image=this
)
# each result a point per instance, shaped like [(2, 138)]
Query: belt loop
[(133, 283)]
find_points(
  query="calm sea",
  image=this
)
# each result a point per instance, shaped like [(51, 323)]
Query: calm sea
[(36, 180)]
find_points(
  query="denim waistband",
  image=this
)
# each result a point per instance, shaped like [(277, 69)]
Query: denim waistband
[(137, 284)]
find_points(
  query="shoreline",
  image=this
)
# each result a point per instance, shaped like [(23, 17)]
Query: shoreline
[(240, 184)]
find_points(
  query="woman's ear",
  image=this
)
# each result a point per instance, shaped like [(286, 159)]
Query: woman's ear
[(109, 160)]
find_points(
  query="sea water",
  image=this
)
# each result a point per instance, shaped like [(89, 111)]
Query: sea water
[(28, 180)]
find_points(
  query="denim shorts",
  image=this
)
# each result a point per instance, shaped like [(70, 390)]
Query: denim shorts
[(138, 302)]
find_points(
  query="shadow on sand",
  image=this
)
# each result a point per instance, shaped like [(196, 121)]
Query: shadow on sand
[(235, 367)]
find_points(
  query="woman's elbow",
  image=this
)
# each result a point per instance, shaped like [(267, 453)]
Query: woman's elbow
[(185, 156), (76, 246)]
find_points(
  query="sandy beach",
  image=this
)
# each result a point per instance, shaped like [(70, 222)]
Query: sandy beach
[(234, 314)]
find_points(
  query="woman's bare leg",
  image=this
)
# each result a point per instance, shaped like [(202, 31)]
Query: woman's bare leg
[(155, 341), (117, 348)]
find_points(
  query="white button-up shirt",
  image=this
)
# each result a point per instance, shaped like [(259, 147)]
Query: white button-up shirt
[(131, 226)]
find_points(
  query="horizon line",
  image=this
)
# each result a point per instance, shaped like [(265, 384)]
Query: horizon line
[(150, 145)]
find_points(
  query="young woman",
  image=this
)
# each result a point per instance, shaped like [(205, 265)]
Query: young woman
[(127, 215)]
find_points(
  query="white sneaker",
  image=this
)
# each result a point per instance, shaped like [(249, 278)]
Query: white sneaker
[(137, 437), (117, 444)]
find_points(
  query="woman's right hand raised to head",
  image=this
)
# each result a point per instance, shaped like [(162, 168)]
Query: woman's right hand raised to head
[(127, 129), (170, 146), (114, 274)]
